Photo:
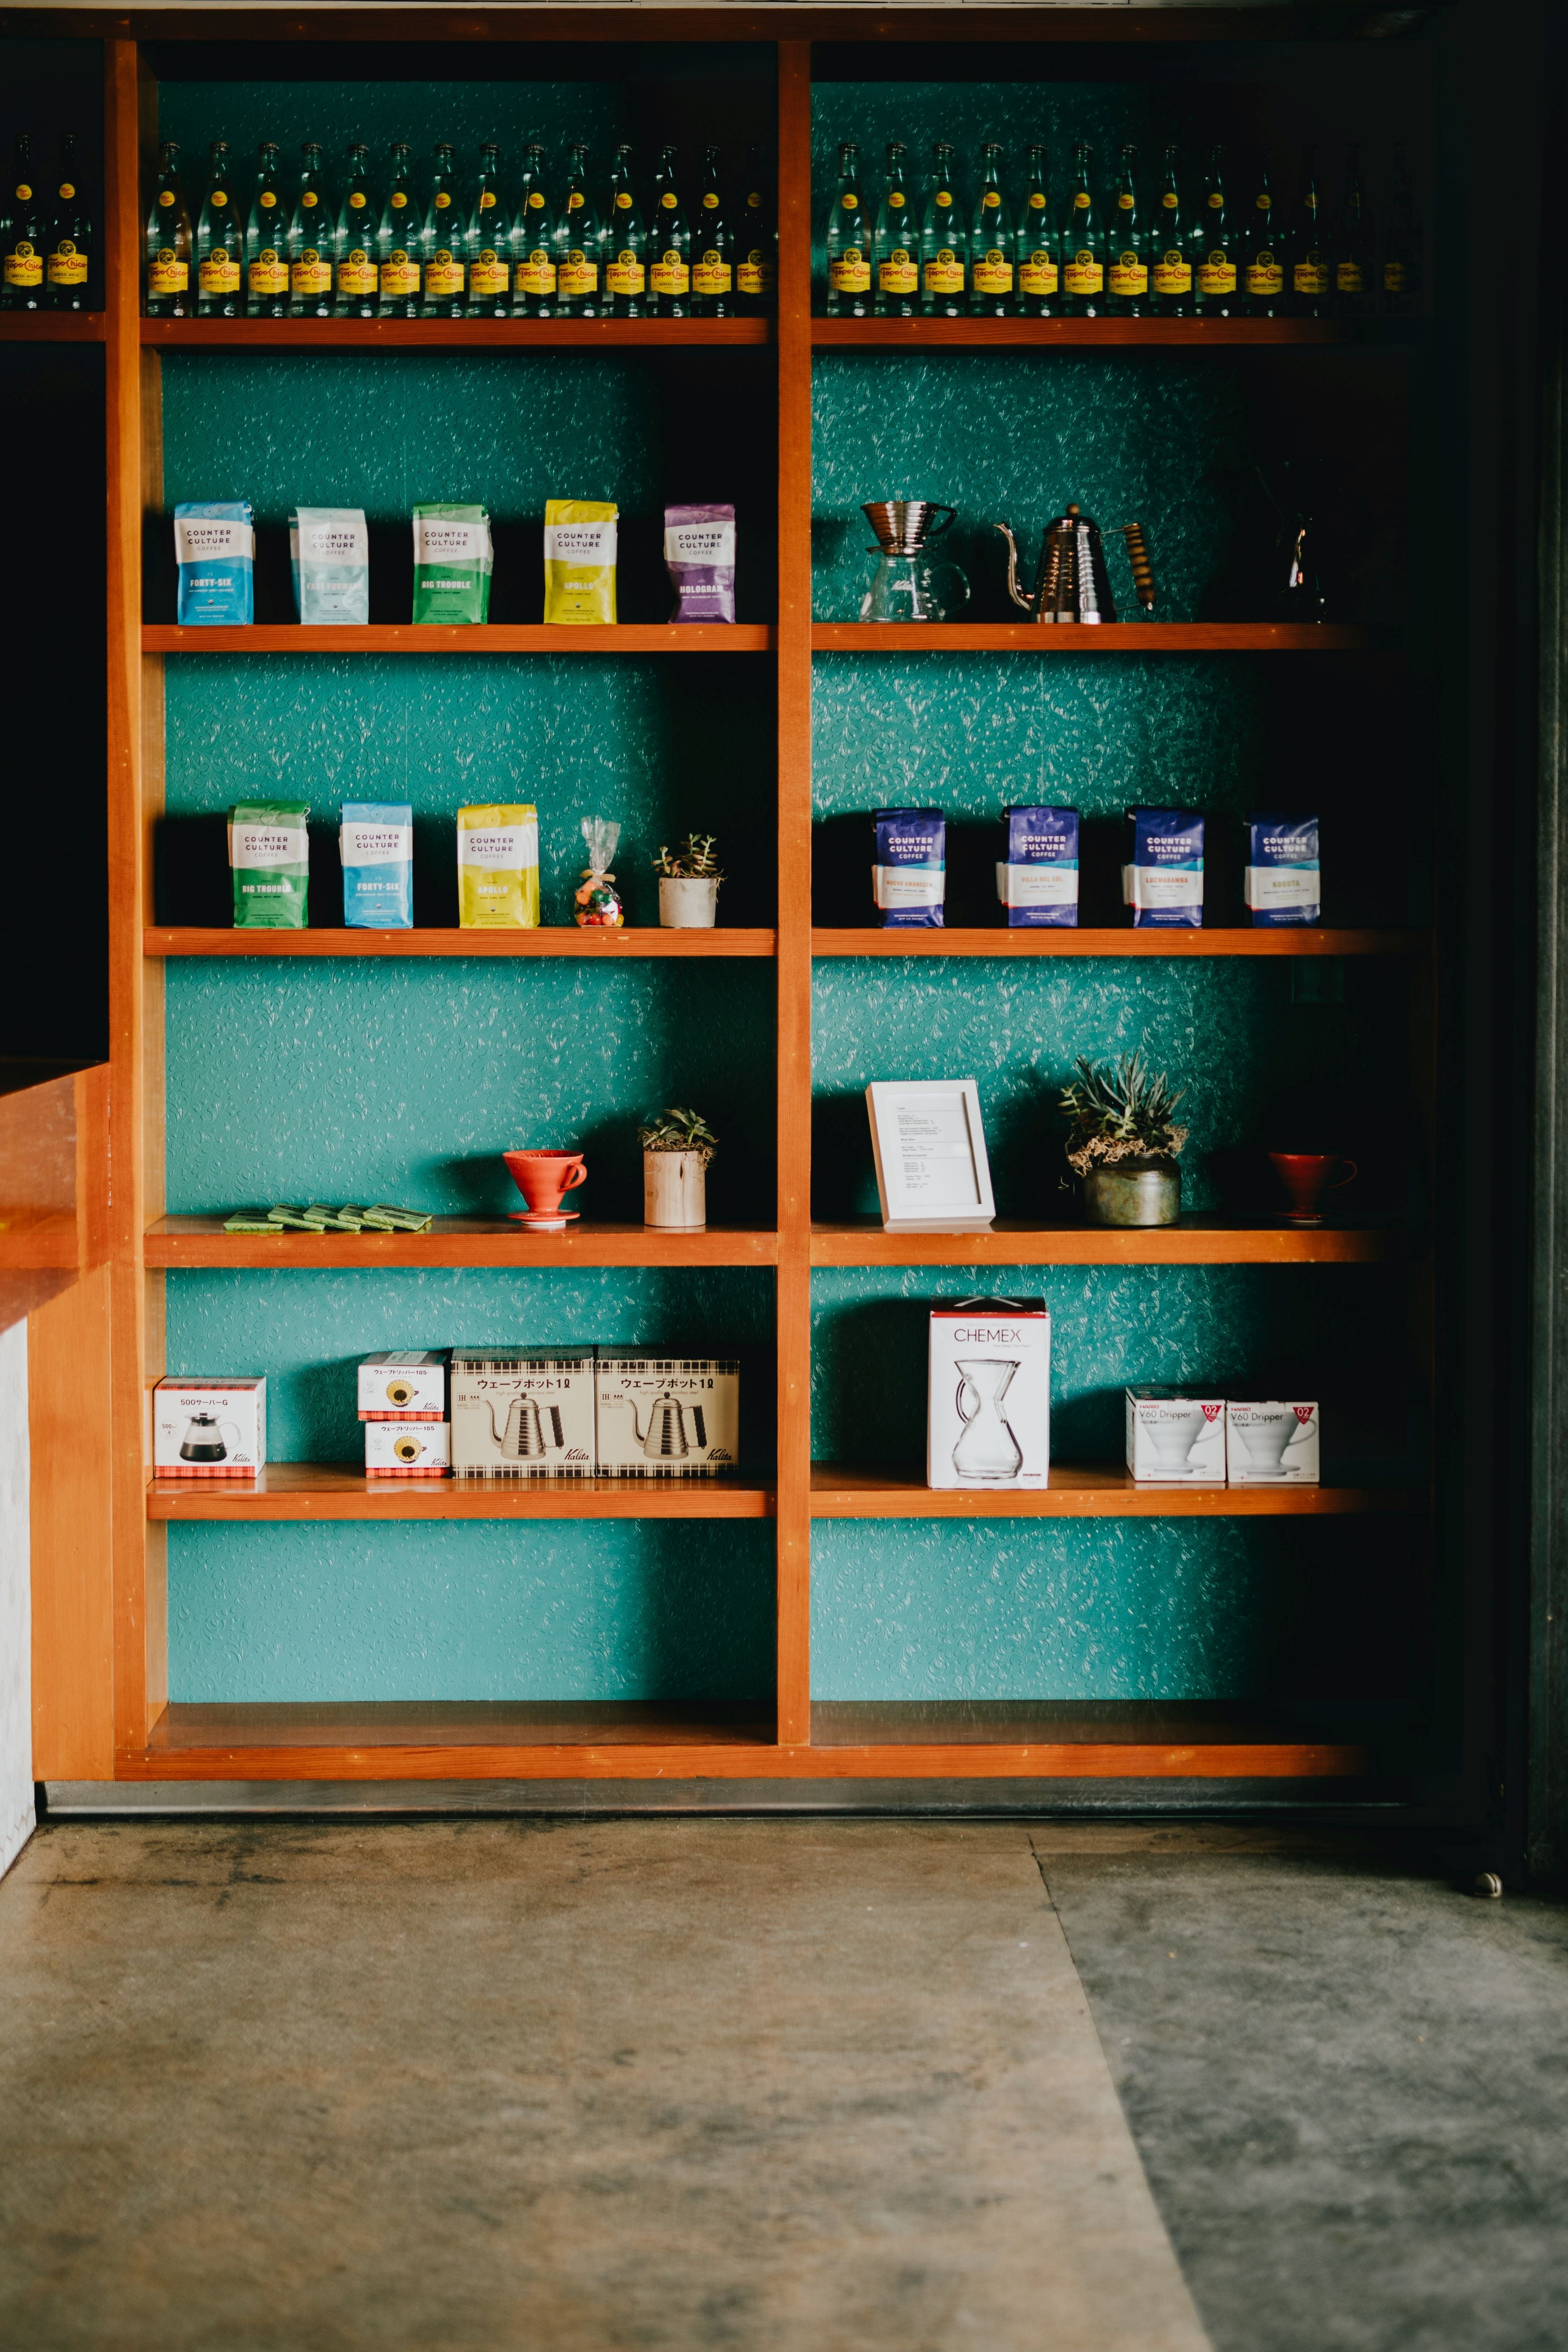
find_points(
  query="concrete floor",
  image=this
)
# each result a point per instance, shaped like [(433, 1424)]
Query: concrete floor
[(782, 2083)]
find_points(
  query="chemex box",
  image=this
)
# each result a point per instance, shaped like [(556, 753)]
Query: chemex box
[(1271, 1445), (667, 1416), (522, 1413), (1173, 1435), (209, 1428), (403, 1385), (407, 1449), (988, 1418)]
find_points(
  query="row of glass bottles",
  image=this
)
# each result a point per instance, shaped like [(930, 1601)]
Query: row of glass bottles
[(46, 235), (439, 246), (1173, 259)]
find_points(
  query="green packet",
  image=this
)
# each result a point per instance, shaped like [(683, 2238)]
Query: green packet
[(268, 851), (452, 562)]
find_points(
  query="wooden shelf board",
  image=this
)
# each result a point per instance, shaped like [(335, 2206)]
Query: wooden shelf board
[(51, 327), (340, 1490), (463, 1723), (1107, 637), (1100, 1490), (1002, 940), (403, 637), (1033, 1722), (1102, 334), (1197, 1240), (547, 939), (455, 1241), (450, 334)]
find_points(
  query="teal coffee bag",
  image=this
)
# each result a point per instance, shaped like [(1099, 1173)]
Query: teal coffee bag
[(329, 554), (268, 853), (452, 562)]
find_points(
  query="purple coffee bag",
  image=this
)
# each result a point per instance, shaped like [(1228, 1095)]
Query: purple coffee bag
[(700, 556)]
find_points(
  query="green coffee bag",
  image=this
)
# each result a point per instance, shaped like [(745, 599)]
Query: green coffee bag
[(268, 851), (452, 563)]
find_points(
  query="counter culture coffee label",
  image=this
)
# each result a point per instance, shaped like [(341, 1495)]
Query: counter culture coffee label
[(1037, 878), (908, 871), (1163, 882), (269, 852), (453, 558), (376, 844), (580, 538), (700, 555), (497, 867), (214, 547), (329, 554)]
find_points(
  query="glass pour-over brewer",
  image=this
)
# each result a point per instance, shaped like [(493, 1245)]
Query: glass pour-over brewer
[(907, 586)]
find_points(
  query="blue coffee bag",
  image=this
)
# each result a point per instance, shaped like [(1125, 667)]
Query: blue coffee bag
[(908, 871), (376, 844), (1163, 882), (214, 547), (1036, 876), (1283, 883)]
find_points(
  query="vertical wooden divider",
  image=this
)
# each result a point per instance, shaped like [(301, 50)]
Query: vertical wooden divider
[(793, 1295)]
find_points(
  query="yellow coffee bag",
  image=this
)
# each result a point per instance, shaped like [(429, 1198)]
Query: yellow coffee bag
[(579, 560), (498, 868)]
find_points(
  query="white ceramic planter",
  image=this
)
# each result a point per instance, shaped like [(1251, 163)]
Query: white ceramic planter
[(674, 1190), (687, 903)]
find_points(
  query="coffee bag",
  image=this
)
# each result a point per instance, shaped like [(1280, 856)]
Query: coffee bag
[(329, 555), (908, 870), (1284, 883), (269, 854), (1163, 882), (498, 868), (376, 844), (579, 560), (700, 556), (453, 558), (1037, 877), (214, 547)]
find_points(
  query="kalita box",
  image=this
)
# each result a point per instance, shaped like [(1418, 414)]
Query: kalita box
[(403, 1385), (407, 1449), (209, 1428), (522, 1413), (1174, 1436), (666, 1416)]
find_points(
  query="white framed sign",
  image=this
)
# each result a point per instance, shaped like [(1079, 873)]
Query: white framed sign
[(932, 1175)]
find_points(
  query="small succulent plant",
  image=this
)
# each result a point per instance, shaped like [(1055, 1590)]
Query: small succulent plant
[(1122, 1110), (692, 860), (679, 1130)]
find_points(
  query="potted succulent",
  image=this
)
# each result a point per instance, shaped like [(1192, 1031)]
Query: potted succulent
[(677, 1146), (688, 879), (1124, 1142)]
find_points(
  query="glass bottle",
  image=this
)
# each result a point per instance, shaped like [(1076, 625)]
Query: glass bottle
[(219, 241), (894, 246), (168, 242), (1083, 247), (311, 238), (400, 241), (1039, 274), (991, 269), (670, 275), (1127, 276), (756, 270), (713, 249), (849, 242), (1218, 296), (533, 243), (445, 266), (625, 249), (1311, 263), (26, 236), (1355, 246), (267, 241), (1265, 258), (578, 257), (1171, 273), (489, 242), (71, 237), (356, 269), (1402, 245), (944, 248)]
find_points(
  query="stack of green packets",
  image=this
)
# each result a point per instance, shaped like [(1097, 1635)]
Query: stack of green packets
[(318, 1219)]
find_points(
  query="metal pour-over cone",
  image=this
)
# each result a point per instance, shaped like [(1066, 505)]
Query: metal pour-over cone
[(903, 525)]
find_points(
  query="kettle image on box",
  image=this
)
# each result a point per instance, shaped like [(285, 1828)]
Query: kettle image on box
[(203, 1440), (1072, 583), (667, 1418), (531, 1432)]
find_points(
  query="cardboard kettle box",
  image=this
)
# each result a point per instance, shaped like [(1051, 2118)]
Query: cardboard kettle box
[(666, 1416), (1272, 1445), (1172, 1436), (522, 1413), (988, 1417), (405, 1385), (407, 1449), (209, 1428)]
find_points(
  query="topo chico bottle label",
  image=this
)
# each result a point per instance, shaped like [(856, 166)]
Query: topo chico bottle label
[(755, 275), (1265, 274), (712, 274), (357, 273), (624, 274), (399, 273), (577, 274), (67, 265), (24, 264), (488, 273), (1038, 273), (311, 274), (1216, 273), (536, 272), (1130, 273), (1085, 273), (670, 273), (1173, 272), (166, 274), (1349, 278), (443, 274), (897, 272), (993, 272), (945, 272), (219, 271)]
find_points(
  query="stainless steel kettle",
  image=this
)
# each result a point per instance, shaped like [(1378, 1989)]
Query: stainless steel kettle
[(1072, 582)]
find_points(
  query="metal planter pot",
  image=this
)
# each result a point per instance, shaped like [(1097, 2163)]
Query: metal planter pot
[(1133, 1192)]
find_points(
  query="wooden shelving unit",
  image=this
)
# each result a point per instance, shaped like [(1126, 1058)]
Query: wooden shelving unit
[(51, 327), (134, 1732)]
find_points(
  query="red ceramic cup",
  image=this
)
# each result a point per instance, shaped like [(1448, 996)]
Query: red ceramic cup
[(541, 1177), (1305, 1176)]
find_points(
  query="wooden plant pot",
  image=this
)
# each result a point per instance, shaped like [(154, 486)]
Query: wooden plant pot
[(674, 1191), (687, 903), (1133, 1192)]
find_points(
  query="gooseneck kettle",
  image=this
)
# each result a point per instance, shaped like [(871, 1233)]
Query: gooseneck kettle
[(1072, 583)]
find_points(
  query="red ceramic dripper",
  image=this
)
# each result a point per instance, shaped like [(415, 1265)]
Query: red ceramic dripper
[(541, 1177), (1305, 1176)]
